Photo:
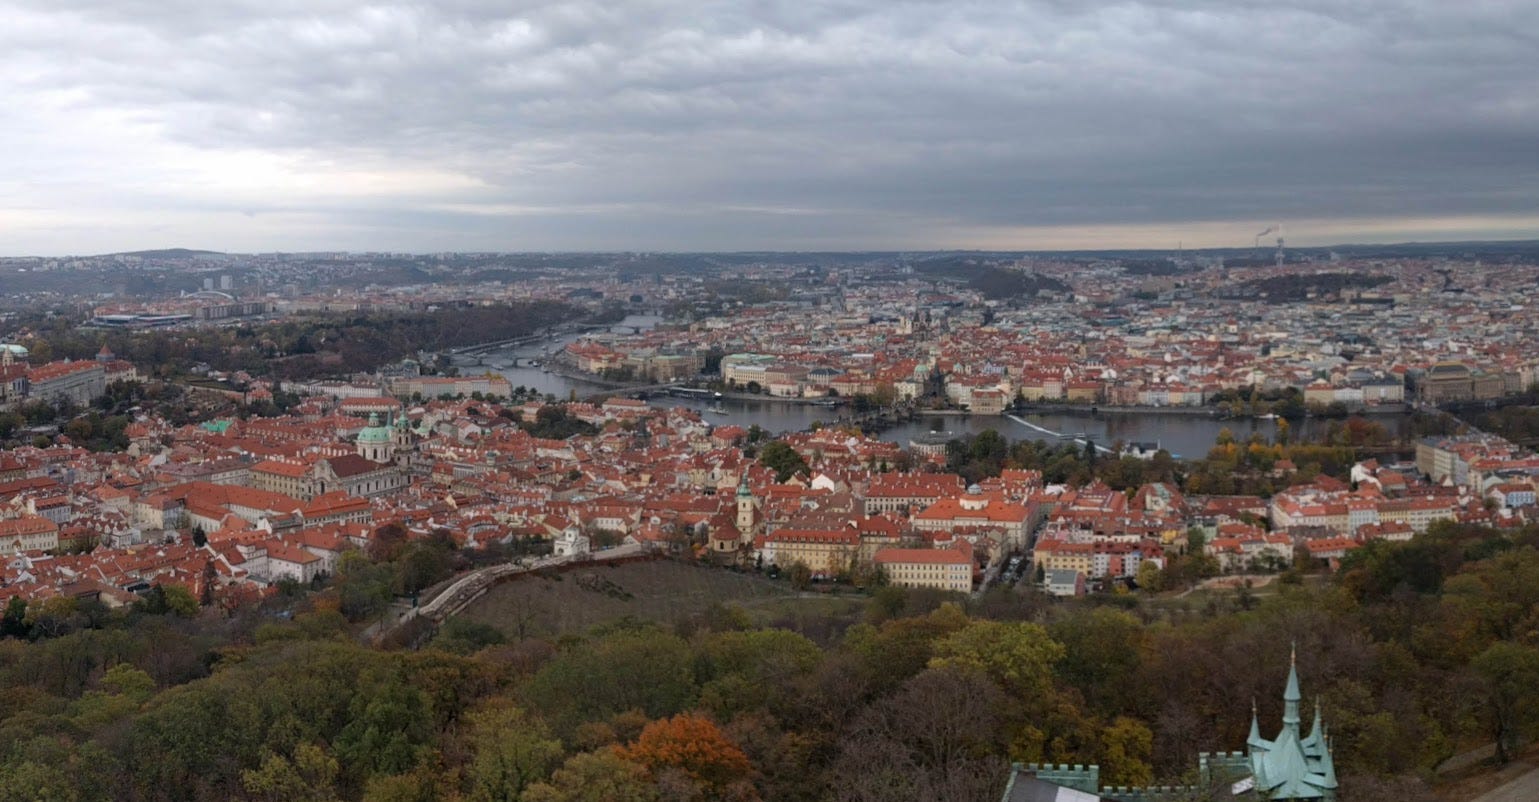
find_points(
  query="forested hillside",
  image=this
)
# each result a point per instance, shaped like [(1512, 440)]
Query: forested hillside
[(303, 346), (1415, 651)]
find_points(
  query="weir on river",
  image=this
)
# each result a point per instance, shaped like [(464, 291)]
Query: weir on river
[(1080, 440)]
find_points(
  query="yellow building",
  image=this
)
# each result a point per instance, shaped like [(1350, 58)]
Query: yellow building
[(826, 551), (942, 569)]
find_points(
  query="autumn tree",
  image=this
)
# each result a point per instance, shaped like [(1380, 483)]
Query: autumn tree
[(124, 690), (1017, 655), (601, 776), (1126, 746), (754, 669), (1102, 652), (642, 668), (939, 738), (309, 776), (695, 746), (901, 648), (168, 599), (800, 575), (423, 784), (512, 750)]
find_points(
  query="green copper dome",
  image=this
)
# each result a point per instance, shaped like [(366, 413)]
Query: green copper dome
[(374, 432)]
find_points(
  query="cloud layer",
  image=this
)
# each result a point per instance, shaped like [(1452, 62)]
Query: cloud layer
[(300, 124)]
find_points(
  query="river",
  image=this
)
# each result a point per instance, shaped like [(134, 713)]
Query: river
[(553, 383), (1184, 435), (1187, 436)]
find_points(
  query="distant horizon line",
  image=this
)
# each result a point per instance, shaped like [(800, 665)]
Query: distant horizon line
[(849, 251)]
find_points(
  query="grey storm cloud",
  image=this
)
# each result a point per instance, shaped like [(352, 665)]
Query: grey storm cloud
[(678, 125)]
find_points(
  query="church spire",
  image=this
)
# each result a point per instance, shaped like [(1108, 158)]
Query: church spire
[(1328, 768), (1255, 728), (1316, 737), (1292, 767), (1291, 696)]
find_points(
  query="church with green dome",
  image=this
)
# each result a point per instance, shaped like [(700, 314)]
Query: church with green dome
[(376, 442), (1291, 766)]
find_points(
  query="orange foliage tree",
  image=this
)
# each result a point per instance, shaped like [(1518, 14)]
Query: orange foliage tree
[(694, 745)]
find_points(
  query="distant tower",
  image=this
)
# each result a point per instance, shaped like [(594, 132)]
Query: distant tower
[(401, 432), (747, 507), (402, 440)]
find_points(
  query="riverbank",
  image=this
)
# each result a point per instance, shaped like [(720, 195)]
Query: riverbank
[(567, 371), (764, 399), (1203, 412), (558, 365)]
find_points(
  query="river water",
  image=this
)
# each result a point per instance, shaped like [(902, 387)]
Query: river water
[(1185, 436), (553, 383), (1189, 436)]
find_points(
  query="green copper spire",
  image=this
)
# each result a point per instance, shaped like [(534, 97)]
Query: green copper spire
[(1328, 769), (1315, 743), (1291, 767), (1292, 697), (742, 486), (1255, 728)]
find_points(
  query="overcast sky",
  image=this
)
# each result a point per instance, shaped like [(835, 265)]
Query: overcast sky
[(837, 124)]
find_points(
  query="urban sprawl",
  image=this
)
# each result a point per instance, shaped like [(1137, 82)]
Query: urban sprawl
[(233, 504)]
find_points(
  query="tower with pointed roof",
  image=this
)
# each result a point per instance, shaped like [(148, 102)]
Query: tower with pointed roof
[(745, 524), (403, 440), (400, 431), (747, 508), (1292, 765)]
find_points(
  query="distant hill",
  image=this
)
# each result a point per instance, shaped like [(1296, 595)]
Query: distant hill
[(169, 253), (993, 282), (1151, 261)]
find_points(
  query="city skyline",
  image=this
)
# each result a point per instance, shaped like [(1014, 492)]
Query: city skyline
[(853, 126)]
